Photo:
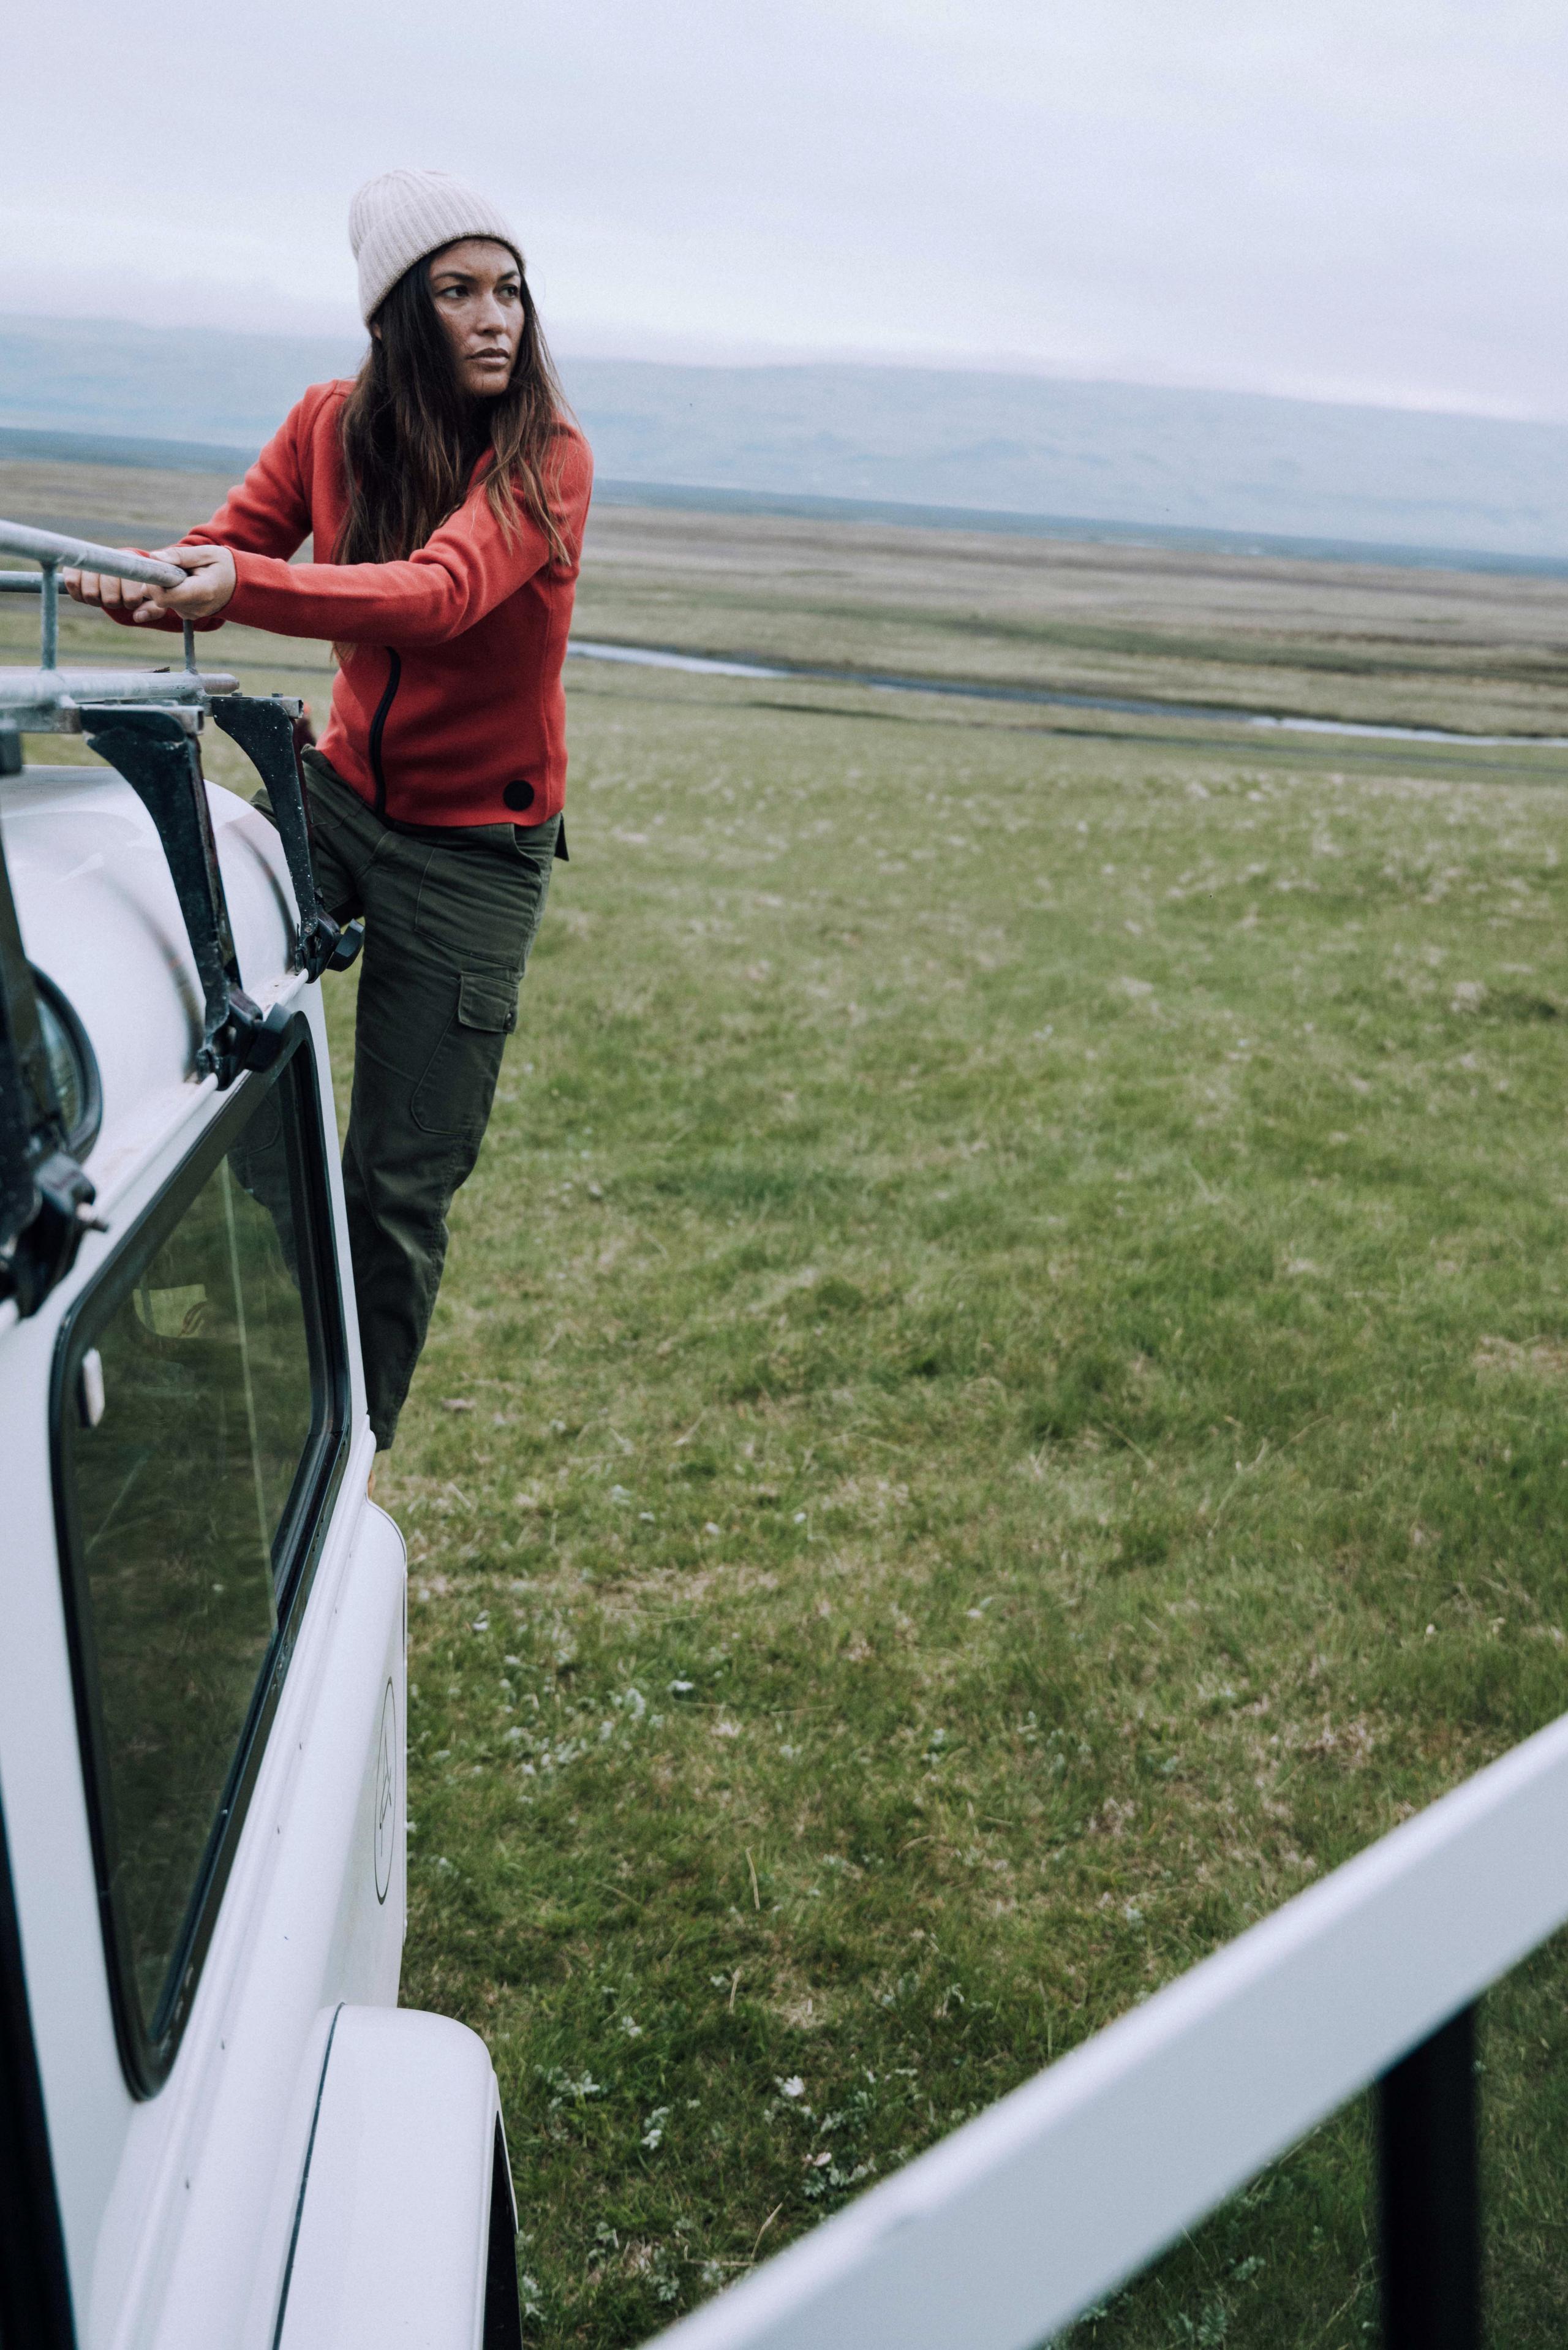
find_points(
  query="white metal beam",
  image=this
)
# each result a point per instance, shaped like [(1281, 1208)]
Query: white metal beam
[(1005, 2231)]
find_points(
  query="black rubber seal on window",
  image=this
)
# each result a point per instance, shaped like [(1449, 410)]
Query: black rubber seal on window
[(147, 2051)]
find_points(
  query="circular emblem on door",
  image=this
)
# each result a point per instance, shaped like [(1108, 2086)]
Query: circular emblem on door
[(386, 1793)]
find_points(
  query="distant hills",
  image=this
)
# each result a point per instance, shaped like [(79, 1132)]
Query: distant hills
[(1106, 452), (1135, 458), (100, 376)]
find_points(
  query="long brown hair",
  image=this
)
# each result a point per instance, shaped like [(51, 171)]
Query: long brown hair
[(412, 437)]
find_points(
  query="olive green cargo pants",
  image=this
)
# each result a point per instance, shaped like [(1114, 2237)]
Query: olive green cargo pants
[(450, 915)]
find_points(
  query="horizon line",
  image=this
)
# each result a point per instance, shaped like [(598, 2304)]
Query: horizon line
[(755, 359), (143, 453)]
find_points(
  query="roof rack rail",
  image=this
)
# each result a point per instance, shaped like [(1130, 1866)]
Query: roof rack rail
[(147, 724)]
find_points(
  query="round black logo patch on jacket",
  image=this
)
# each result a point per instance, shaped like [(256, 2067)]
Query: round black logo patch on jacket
[(518, 795)]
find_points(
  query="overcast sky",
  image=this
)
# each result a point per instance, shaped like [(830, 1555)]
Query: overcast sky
[(1361, 199)]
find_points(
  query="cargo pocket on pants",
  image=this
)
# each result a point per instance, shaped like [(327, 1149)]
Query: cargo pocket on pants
[(454, 1095)]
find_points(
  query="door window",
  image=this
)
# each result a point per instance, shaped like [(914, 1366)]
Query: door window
[(201, 1407)]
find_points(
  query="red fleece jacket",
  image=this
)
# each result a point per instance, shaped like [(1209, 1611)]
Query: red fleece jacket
[(448, 707)]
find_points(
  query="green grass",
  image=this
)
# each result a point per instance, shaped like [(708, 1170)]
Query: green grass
[(998, 1409), (1000, 1405)]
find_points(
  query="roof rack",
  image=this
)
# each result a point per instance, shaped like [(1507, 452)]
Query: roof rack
[(147, 724)]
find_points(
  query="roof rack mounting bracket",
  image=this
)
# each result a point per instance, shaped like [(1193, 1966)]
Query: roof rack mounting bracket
[(262, 726), (162, 762)]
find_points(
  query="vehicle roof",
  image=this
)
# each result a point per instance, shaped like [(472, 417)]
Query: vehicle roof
[(99, 917)]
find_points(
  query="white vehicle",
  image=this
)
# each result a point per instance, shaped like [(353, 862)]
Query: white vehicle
[(217, 2129)]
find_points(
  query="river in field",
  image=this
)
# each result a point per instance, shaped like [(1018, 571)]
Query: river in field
[(1120, 705)]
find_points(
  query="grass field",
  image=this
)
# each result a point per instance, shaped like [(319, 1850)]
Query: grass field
[(1001, 1404), (1481, 652), (1001, 1407)]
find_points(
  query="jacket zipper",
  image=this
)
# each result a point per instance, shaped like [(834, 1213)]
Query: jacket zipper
[(377, 728)]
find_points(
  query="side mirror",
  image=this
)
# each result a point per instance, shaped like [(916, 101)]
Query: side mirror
[(46, 1199)]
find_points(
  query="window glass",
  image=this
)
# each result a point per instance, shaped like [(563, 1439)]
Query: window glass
[(197, 1395)]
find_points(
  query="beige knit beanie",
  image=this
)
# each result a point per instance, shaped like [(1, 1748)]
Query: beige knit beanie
[(396, 220)]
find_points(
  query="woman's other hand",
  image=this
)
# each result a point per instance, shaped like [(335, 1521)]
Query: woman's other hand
[(202, 593), (207, 589)]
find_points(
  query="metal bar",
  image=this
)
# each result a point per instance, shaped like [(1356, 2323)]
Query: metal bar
[(27, 689), (85, 554), (1006, 2231), (1432, 2267), (49, 622), (52, 549), (21, 583)]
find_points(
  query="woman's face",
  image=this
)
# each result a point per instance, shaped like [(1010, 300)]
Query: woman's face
[(478, 295)]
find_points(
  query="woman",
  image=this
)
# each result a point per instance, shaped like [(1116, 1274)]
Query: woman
[(446, 491)]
